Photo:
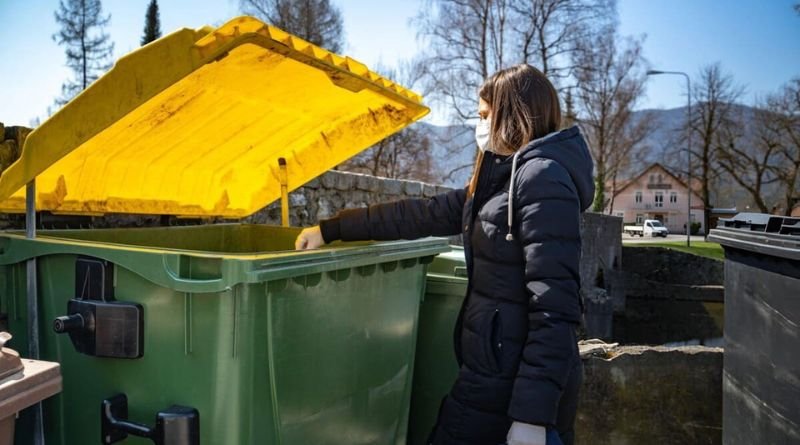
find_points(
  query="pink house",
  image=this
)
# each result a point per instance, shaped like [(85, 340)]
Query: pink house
[(656, 193)]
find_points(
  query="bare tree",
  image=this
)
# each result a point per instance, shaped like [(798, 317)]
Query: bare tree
[(406, 154), (714, 97), (548, 32), (317, 21), (467, 40), (786, 107), (748, 153), (88, 47), (610, 75)]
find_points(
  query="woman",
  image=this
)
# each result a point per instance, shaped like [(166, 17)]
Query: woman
[(515, 337)]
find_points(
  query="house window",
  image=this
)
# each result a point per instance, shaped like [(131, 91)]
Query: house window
[(673, 197), (659, 199), (621, 214), (652, 179), (638, 197), (639, 218), (666, 219)]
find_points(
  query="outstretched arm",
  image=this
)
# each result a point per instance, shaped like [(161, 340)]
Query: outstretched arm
[(404, 219)]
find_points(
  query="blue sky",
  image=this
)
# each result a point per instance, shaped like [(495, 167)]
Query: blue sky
[(758, 41)]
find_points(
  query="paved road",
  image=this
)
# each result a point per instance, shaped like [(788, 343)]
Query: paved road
[(627, 239)]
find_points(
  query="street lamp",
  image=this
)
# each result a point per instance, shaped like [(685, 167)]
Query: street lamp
[(688, 149)]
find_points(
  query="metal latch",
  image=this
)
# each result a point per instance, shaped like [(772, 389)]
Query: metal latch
[(176, 425), (97, 324)]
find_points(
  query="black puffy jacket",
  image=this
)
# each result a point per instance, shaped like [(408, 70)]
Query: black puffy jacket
[(515, 337)]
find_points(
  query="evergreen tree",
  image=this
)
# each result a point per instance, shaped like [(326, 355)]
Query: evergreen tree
[(152, 24), (88, 48)]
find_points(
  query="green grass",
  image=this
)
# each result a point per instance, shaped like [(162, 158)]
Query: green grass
[(701, 248)]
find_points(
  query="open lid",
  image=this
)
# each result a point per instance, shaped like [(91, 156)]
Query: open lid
[(195, 123)]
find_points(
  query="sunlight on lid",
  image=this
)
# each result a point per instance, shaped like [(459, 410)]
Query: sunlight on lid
[(194, 123)]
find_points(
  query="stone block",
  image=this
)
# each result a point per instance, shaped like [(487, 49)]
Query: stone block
[(345, 181), (392, 187), (428, 190), (650, 395), (313, 184), (326, 208), (328, 179), (412, 188), (297, 199), (367, 183)]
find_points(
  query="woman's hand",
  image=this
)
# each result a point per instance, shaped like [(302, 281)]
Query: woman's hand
[(310, 238), (526, 434)]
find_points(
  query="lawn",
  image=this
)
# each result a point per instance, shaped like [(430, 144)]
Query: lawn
[(702, 248)]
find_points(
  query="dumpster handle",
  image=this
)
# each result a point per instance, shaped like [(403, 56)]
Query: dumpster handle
[(195, 284), (176, 425)]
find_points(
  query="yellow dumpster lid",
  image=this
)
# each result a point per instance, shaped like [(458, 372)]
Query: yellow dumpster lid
[(194, 124)]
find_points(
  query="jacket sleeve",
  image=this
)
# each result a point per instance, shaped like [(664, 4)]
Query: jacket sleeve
[(548, 226), (404, 219)]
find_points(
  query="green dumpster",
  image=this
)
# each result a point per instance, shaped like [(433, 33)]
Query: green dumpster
[(268, 346), (435, 367), (214, 334)]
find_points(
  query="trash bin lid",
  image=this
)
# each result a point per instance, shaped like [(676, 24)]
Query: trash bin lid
[(195, 123), (773, 235)]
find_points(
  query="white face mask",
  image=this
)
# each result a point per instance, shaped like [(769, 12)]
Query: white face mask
[(482, 133)]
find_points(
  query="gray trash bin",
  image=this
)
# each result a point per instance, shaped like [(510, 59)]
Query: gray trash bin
[(761, 377)]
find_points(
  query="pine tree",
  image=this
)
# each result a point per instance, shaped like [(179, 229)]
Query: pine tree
[(152, 24), (88, 48)]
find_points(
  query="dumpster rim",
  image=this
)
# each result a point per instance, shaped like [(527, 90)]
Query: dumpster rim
[(753, 242)]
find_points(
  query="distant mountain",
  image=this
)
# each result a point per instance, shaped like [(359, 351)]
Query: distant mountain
[(453, 151), (454, 147)]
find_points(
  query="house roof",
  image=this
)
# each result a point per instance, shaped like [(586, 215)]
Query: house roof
[(657, 165)]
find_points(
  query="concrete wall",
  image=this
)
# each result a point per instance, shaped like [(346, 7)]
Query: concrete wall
[(672, 266), (670, 297), (636, 395), (602, 288)]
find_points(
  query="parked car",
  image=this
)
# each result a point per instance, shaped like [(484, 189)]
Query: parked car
[(651, 227)]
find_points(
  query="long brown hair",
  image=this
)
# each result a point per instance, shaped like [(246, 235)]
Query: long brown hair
[(524, 106)]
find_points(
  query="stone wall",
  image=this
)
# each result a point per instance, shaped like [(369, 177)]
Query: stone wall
[(333, 191), (634, 395), (320, 198)]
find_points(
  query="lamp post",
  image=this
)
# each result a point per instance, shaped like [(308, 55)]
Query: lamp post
[(688, 149)]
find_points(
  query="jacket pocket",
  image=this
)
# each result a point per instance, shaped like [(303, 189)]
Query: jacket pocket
[(493, 343)]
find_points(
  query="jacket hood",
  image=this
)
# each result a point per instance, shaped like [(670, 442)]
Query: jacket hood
[(569, 149)]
